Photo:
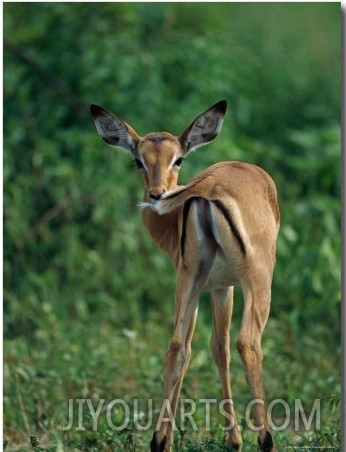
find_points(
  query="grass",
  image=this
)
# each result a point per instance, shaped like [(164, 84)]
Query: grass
[(93, 358)]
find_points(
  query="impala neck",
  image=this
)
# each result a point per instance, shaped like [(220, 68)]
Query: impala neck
[(164, 229)]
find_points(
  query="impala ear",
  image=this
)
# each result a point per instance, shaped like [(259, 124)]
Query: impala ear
[(114, 130), (204, 128)]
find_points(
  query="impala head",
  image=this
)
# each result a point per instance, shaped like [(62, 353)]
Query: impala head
[(159, 155)]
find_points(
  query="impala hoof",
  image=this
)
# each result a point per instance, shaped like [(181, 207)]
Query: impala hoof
[(157, 446), (267, 443)]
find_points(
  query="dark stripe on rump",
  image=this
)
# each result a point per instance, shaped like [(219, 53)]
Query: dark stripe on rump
[(226, 213), (186, 211)]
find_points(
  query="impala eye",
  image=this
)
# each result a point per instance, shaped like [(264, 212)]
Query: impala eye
[(179, 161), (139, 163)]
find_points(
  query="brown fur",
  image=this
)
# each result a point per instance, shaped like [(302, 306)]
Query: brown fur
[(225, 235)]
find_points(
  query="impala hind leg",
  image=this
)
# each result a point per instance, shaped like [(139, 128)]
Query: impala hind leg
[(176, 362), (176, 394), (256, 311), (222, 305)]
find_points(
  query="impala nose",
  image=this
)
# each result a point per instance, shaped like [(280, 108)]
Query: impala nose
[(156, 197), (156, 192)]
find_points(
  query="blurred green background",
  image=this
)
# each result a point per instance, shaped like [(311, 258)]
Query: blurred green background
[(88, 298)]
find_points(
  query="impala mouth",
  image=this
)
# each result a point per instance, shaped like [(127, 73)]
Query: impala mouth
[(151, 205)]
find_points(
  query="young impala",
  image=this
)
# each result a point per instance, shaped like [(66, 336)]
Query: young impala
[(219, 230)]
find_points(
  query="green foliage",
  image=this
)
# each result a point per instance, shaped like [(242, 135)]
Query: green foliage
[(80, 270)]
